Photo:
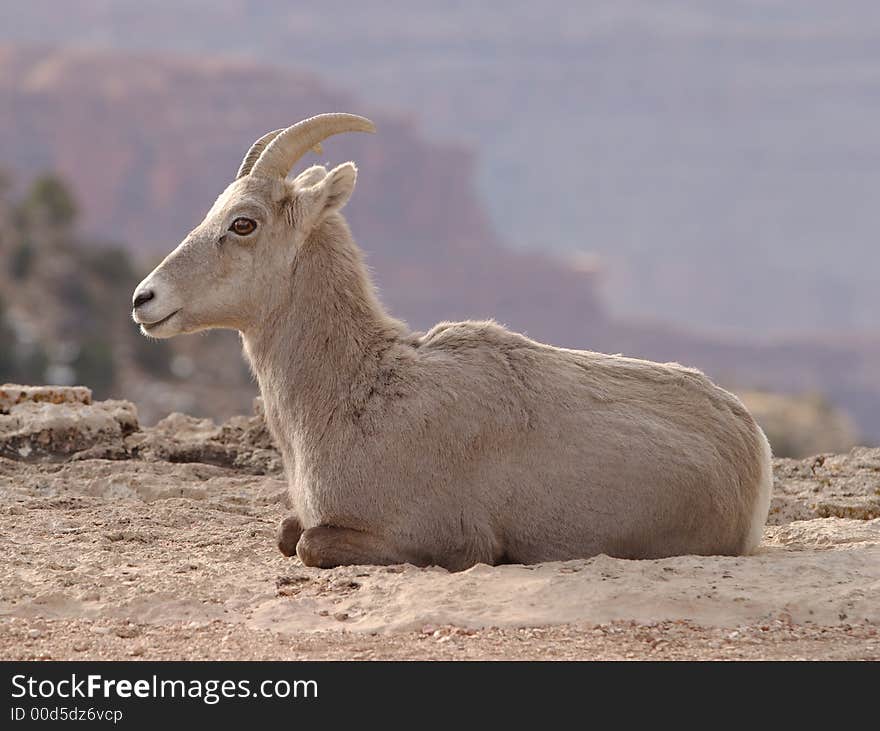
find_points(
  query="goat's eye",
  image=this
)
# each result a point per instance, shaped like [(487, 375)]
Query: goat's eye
[(243, 226)]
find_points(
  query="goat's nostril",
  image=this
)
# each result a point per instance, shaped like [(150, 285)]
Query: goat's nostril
[(142, 297)]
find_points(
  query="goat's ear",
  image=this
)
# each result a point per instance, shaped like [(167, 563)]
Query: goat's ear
[(310, 176), (338, 186), (330, 194)]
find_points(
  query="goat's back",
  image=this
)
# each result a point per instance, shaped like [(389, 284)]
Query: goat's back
[(571, 453)]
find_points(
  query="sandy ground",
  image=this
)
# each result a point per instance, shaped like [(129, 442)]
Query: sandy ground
[(145, 556), (101, 640)]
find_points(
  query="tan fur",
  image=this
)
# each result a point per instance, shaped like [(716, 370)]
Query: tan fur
[(466, 444)]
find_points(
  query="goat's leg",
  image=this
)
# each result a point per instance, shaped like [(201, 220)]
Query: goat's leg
[(288, 534), (325, 547)]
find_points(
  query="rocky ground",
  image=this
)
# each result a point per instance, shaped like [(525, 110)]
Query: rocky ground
[(122, 542)]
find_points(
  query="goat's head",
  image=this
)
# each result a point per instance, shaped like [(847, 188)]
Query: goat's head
[(248, 243)]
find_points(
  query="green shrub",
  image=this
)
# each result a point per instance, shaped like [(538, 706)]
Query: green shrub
[(95, 366), (74, 294), (154, 356), (7, 347), (113, 266), (21, 261), (50, 200), (31, 368)]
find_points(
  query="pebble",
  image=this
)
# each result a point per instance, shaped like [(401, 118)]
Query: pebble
[(100, 630), (34, 633)]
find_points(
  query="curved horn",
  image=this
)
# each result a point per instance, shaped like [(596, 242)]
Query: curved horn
[(284, 150), (254, 153)]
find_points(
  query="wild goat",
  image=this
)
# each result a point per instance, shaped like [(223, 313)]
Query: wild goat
[(467, 444)]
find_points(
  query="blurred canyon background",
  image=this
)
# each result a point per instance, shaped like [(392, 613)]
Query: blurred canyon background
[(689, 181)]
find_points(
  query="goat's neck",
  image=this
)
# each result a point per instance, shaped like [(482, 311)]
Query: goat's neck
[(318, 349)]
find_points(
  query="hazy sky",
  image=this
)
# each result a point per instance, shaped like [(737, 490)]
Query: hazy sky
[(721, 158)]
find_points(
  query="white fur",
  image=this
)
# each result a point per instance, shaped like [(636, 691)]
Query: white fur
[(762, 498)]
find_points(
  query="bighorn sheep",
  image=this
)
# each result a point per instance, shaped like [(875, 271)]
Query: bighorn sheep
[(467, 444)]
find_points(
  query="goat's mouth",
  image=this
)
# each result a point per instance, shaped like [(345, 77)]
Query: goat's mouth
[(151, 327)]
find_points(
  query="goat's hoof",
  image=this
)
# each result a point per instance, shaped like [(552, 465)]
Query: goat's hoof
[(318, 546), (289, 531), (309, 549)]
